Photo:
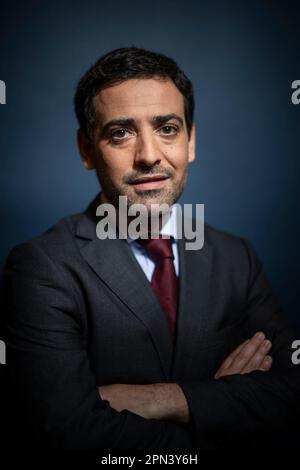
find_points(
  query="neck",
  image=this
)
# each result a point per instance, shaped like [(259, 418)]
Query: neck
[(151, 223)]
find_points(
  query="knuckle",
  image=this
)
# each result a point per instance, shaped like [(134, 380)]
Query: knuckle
[(257, 359), (268, 359)]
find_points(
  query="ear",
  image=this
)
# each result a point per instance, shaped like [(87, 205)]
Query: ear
[(86, 150), (192, 145)]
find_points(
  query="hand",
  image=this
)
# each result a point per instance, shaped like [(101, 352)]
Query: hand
[(135, 398), (249, 356), (165, 401)]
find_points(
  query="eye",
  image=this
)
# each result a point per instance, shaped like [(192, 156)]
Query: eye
[(118, 134), (169, 130)]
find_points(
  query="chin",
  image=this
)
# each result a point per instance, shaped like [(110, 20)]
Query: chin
[(153, 196)]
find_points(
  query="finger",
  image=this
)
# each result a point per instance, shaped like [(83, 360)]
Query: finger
[(259, 335), (228, 361), (266, 364), (239, 350), (235, 353), (226, 367), (246, 353), (256, 360)]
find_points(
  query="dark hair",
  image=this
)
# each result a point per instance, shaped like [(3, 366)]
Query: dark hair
[(123, 64)]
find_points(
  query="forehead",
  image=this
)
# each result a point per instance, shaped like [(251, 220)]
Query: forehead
[(139, 98)]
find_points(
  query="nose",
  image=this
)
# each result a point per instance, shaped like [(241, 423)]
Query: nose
[(147, 151)]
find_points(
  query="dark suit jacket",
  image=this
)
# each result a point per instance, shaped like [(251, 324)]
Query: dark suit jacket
[(81, 313)]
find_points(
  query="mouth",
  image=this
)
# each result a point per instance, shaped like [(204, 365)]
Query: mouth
[(150, 182)]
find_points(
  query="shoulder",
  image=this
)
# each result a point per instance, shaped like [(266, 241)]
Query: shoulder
[(231, 249), (217, 238), (57, 243)]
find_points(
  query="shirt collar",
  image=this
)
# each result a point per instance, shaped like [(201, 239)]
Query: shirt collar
[(170, 227)]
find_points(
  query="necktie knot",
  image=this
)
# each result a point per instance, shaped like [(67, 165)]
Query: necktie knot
[(158, 248)]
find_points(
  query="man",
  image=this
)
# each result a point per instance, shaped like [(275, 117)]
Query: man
[(115, 346)]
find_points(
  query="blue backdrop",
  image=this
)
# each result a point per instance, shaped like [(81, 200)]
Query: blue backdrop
[(242, 58)]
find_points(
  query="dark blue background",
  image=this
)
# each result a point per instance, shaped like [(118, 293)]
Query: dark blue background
[(242, 58)]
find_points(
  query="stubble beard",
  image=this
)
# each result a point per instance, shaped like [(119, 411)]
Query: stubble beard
[(167, 196)]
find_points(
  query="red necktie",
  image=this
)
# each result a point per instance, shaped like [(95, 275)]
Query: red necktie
[(164, 280)]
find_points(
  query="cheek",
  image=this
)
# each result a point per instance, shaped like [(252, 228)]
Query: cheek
[(115, 164), (177, 156)]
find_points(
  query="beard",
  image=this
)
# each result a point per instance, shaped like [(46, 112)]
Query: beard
[(166, 195)]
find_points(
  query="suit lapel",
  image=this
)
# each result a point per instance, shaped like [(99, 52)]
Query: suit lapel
[(114, 263)]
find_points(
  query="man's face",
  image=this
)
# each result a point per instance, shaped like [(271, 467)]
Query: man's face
[(141, 147)]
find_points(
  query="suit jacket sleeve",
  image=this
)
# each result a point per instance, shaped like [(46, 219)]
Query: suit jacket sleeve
[(49, 368), (258, 402)]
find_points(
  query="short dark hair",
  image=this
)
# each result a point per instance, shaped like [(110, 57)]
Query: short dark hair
[(123, 64)]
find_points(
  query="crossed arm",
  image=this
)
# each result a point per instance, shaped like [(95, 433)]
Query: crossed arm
[(166, 401), (49, 361)]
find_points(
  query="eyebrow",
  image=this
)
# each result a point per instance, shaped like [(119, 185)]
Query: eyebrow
[(160, 119), (167, 117)]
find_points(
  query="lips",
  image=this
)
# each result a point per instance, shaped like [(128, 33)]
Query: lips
[(150, 182)]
